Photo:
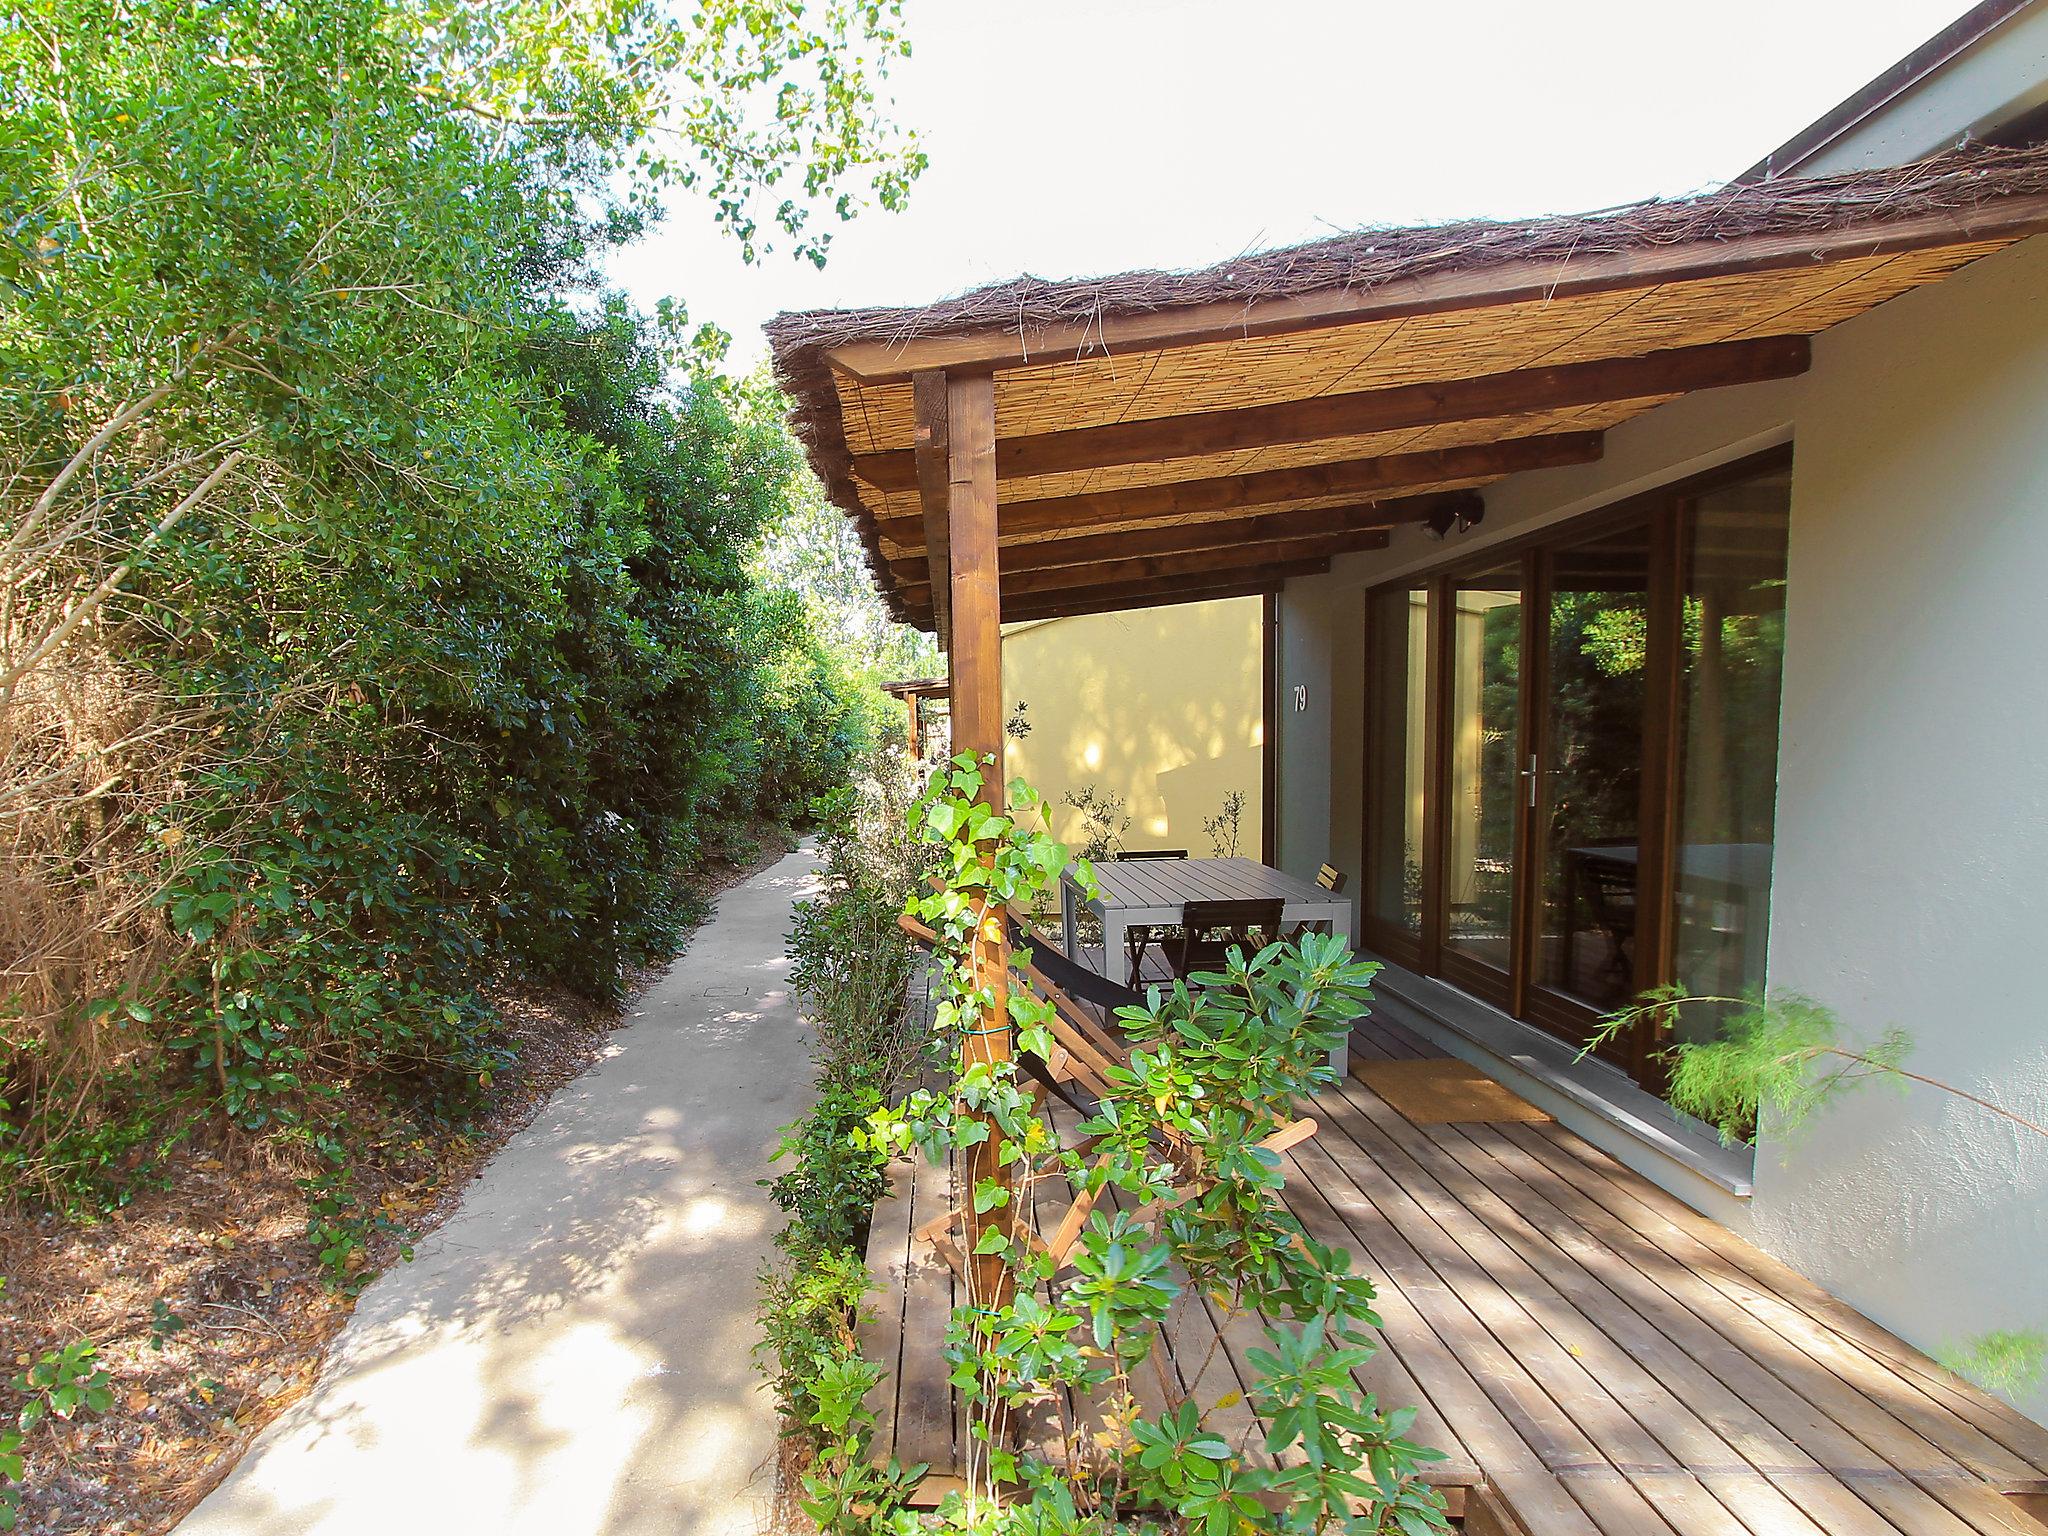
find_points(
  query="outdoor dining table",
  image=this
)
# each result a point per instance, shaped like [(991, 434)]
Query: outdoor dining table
[(1154, 893)]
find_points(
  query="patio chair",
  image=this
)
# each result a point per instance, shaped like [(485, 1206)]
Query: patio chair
[(1331, 879), (1210, 929), (1085, 1049), (1611, 893), (1143, 936)]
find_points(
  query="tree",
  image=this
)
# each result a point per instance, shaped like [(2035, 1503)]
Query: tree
[(375, 618), (815, 552)]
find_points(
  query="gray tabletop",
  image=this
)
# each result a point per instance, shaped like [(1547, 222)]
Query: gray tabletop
[(1153, 886), (1132, 892)]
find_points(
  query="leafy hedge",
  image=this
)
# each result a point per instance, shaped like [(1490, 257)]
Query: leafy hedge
[(381, 621), (853, 969)]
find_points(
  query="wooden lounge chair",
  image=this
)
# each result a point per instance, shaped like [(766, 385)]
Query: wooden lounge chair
[(1085, 1049), (1210, 929)]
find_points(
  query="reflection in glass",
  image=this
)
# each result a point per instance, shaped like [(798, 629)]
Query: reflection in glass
[(1735, 548), (1592, 773), (1397, 703), (1485, 781)]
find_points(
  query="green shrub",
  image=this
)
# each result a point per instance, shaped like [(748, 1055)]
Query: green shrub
[(849, 961), (852, 966), (810, 1306), (832, 1181), (421, 647), (1213, 1072)]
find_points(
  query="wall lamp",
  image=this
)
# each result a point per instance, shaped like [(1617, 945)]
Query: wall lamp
[(1464, 517)]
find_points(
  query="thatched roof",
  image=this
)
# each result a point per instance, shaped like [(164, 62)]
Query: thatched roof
[(1045, 337)]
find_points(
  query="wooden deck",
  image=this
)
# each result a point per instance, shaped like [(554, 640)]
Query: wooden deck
[(1596, 1358)]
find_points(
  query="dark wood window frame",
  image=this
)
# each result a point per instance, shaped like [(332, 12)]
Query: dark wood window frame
[(1664, 509), (1269, 727)]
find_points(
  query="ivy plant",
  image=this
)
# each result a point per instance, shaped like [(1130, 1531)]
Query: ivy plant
[(1189, 1205)]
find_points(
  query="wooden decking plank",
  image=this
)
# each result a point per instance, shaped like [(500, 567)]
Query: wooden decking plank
[(1223, 1336), (1996, 1421), (1389, 1377), (1369, 1045), (1610, 1363), (1724, 1441), (1398, 1041), (1798, 1446), (1534, 1428), (880, 1331), (1520, 1318), (925, 1429), (1848, 1461), (1895, 1452), (1713, 1253)]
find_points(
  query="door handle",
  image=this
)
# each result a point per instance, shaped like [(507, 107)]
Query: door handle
[(1529, 773)]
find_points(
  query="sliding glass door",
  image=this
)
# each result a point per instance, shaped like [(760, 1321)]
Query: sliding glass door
[(1396, 758), (1571, 759), (1734, 544), (1590, 760), (1484, 776)]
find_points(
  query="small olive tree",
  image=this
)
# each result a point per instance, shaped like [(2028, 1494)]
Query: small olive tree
[(1212, 1074)]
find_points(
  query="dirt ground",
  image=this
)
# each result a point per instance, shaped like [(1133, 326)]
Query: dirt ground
[(206, 1300)]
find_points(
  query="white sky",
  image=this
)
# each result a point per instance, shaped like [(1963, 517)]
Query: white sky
[(1070, 138)]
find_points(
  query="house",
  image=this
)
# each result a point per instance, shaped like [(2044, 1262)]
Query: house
[(1158, 717), (1162, 711), (1658, 599)]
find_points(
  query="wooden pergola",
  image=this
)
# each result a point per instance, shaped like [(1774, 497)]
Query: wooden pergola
[(913, 691), (1039, 449)]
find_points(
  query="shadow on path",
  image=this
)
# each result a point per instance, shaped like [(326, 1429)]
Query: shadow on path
[(569, 1352)]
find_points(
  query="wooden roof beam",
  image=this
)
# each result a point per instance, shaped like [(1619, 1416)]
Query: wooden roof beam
[(1674, 371), (1368, 522), (1274, 488), (1270, 563), (929, 473), (1118, 597), (1242, 563), (1490, 283)]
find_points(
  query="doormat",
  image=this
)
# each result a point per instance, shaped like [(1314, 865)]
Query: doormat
[(1443, 1091)]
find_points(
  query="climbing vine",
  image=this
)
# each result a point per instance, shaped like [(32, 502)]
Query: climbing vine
[(1184, 1210)]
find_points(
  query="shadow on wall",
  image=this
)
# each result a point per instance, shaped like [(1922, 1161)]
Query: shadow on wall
[(1161, 707), (1194, 795), (571, 1351)]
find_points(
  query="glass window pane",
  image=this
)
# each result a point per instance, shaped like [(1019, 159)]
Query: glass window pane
[(1735, 546), (1484, 777), (1396, 707), (1598, 644)]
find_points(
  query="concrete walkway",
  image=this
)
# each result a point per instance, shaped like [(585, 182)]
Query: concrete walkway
[(569, 1353)]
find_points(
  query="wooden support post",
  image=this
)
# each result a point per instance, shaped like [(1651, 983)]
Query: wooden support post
[(929, 411), (975, 673), (914, 704)]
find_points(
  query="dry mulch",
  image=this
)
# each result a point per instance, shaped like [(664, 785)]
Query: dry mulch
[(224, 1250)]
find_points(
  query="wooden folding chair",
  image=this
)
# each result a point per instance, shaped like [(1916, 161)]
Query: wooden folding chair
[(1084, 1051)]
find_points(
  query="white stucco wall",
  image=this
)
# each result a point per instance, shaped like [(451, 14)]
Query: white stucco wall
[(1911, 876), (1307, 646), (1911, 880), (1992, 81)]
